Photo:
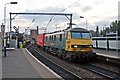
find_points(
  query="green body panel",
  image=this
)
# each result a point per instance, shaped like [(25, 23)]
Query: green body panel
[(57, 43), (60, 44)]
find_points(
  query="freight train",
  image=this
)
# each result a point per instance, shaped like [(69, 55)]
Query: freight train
[(71, 44)]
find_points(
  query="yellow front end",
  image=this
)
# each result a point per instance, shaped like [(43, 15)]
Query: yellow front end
[(79, 45)]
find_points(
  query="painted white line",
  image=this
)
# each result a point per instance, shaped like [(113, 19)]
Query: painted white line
[(10, 49), (62, 67), (44, 65), (109, 56)]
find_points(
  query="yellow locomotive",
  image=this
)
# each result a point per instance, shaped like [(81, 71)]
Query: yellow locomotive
[(72, 44)]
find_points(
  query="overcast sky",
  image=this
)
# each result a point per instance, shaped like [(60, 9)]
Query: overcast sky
[(97, 12)]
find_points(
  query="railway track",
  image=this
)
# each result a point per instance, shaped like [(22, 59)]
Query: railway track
[(64, 73), (111, 67), (102, 71)]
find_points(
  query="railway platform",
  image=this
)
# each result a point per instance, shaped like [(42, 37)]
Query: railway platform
[(19, 63), (108, 55)]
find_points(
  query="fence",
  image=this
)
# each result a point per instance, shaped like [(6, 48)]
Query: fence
[(109, 43)]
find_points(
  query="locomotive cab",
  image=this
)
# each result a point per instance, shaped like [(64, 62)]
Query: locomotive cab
[(79, 43)]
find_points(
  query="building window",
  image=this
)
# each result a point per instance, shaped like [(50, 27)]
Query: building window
[(46, 38), (54, 37), (60, 37), (49, 38)]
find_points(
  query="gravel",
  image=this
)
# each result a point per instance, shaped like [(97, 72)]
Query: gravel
[(71, 66)]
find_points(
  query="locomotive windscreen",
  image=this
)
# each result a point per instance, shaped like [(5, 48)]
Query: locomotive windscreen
[(79, 35)]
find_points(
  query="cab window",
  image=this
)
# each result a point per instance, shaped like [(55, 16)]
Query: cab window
[(80, 35), (76, 35), (85, 35), (68, 35)]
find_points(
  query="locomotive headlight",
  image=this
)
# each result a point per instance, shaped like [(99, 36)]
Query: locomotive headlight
[(90, 46), (75, 46)]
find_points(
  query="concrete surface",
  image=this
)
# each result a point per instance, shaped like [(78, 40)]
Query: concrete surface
[(0, 56), (15, 65), (109, 53), (20, 64)]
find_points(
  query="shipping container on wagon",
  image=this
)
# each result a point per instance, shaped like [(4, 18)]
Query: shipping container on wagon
[(40, 39)]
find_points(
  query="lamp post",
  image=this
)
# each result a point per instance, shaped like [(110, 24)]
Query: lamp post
[(5, 25), (85, 19), (5, 10)]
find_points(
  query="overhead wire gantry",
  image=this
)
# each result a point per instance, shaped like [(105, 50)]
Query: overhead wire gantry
[(64, 14)]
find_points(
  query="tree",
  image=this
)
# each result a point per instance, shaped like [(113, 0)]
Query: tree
[(97, 31), (114, 27)]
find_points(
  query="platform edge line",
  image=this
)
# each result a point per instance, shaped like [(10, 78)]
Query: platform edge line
[(43, 65)]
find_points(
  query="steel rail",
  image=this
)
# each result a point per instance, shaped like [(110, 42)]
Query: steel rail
[(64, 73), (101, 71)]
